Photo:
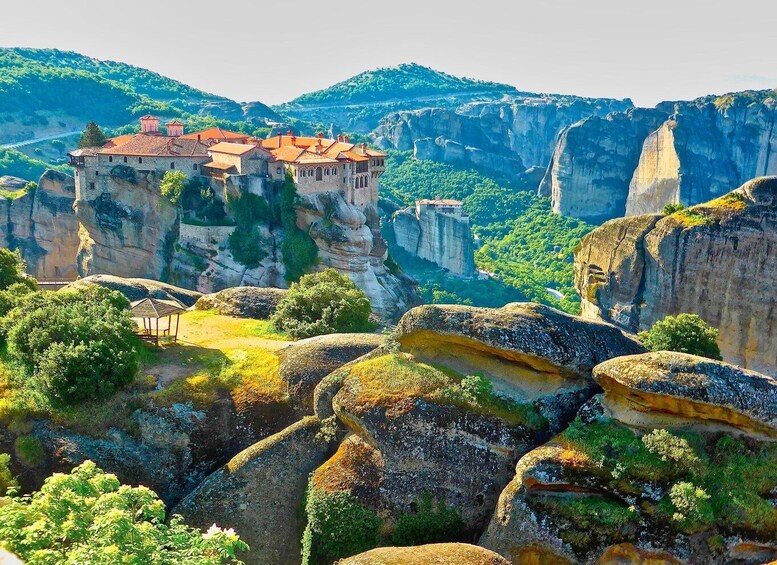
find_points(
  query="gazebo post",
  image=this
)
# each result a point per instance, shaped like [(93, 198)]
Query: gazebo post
[(177, 323), (157, 331)]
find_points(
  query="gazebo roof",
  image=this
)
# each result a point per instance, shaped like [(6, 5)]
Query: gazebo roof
[(155, 308)]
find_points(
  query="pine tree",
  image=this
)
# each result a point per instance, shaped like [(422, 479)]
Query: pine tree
[(92, 136)]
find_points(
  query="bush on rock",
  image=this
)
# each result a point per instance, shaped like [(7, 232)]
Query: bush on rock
[(685, 333), (323, 303)]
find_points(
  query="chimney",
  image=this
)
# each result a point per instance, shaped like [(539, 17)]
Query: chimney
[(345, 138), (175, 128), (289, 132), (293, 139), (199, 137), (320, 135), (364, 148), (149, 124), (339, 137)]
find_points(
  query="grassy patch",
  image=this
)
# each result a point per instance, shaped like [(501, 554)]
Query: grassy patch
[(389, 379), (265, 329), (731, 201), (690, 217)]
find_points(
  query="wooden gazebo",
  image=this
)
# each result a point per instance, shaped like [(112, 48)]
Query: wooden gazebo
[(150, 310)]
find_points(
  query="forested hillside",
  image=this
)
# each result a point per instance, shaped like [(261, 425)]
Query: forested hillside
[(526, 248)]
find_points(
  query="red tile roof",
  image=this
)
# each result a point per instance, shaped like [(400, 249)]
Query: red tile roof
[(158, 146), (217, 134), (232, 148)]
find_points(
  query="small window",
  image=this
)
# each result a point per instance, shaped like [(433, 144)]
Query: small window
[(172, 165), (194, 166), (97, 173), (110, 158), (125, 159), (91, 185), (140, 159), (319, 173), (278, 171)]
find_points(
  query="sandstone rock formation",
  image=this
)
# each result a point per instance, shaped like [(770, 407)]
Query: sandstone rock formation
[(668, 389), (137, 289), (716, 260), (593, 162), (432, 554), (41, 224), (243, 302), (608, 489), (686, 152), (259, 493), (349, 240), (126, 229), (524, 347), (505, 137), (304, 363), (444, 238)]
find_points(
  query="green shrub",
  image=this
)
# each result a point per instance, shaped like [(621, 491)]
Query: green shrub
[(430, 523), (338, 526), (672, 448), (672, 207), (172, 186), (692, 507), (29, 450), (74, 345), (322, 303), (88, 516), (245, 244), (250, 209), (298, 249), (686, 333), (199, 201), (7, 481), (12, 268)]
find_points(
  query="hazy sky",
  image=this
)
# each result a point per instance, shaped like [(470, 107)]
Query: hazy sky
[(649, 50)]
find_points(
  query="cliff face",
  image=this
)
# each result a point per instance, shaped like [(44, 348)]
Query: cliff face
[(443, 239), (687, 152), (42, 225), (716, 260), (506, 137), (593, 162), (349, 240)]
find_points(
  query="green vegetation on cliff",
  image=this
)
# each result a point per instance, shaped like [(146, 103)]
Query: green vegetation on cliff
[(16, 164), (526, 247), (88, 516)]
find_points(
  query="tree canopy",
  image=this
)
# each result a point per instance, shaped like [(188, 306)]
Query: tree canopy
[(686, 333), (88, 516), (93, 136)]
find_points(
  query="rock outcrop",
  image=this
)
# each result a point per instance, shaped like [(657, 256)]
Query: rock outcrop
[(668, 389), (243, 302), (443, 238), (505, 137), (613, 487), (259, 493), (305, 363), (349, 240), (41, 224), (679, 152), (138, 289), (432, 554), (716, 260), (593, 162)]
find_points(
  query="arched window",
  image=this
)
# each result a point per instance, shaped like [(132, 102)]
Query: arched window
[(140, 159), (125, 159), (172, 164), (110, 158), (326, 171), (278, 171), (319, 173)]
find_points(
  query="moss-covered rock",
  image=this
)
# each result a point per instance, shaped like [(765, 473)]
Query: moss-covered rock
[(243, 302), (676, 389), (303, 364), (137, 289), (259, 492), (431, 554)]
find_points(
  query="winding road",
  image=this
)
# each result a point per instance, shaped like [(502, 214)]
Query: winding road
[(38, 140)]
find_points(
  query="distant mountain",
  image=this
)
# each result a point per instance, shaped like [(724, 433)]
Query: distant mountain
[(358, 103), (47, 91)]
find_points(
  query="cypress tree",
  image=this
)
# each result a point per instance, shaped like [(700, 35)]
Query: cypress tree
[(92, 136)]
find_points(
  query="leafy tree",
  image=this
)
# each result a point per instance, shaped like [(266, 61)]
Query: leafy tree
[(299, 250), (172, 186), (686, 333), (92, 136), (88, 516), (74, 345), (322, 303), (12, 268), (7, 481)]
